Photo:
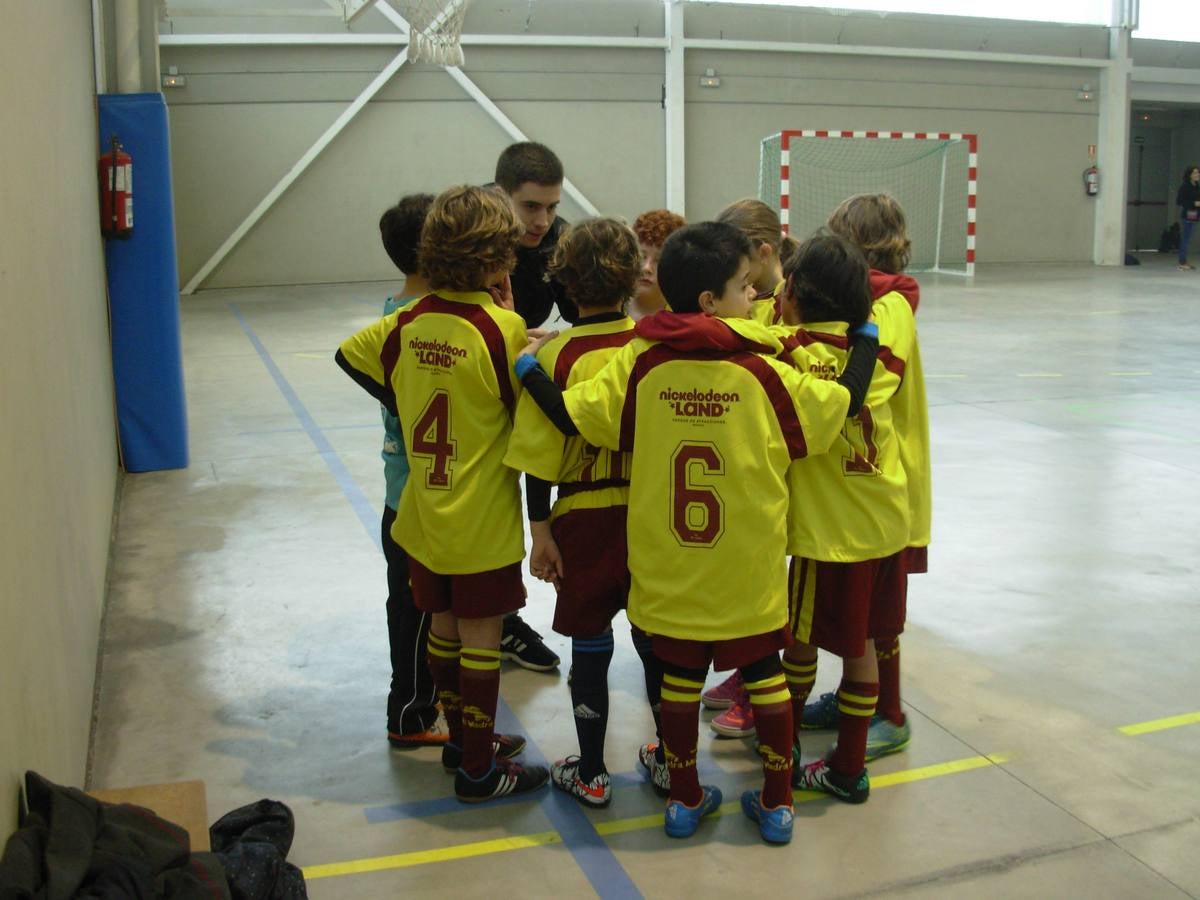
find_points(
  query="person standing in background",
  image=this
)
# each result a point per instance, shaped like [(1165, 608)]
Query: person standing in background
[(1187, 198)]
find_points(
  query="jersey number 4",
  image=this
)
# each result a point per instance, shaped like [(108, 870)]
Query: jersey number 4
[(697, 510), (431, 438)]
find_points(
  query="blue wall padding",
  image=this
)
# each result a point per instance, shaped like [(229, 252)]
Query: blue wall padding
[(143, 287)]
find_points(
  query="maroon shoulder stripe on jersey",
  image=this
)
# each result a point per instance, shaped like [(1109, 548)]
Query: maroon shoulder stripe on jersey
[(655, 356), (891, 362), (478, 318), (781, 401), (390, 354), (819, 337), (577, 347)]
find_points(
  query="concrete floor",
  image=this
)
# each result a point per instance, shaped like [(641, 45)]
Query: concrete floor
[(246, 645)]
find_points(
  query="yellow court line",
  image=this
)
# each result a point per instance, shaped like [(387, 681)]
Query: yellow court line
[(1192, 718), (620, 826), (1039, 375), (617, 826), (440, 854), (1130, 373)]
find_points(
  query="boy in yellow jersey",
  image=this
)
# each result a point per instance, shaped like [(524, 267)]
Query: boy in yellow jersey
[(849, 519), (579, 546), (876, 224), (443, 365), (713, 422)]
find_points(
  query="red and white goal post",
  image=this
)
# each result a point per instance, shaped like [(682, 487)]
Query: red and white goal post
[(806, 173)]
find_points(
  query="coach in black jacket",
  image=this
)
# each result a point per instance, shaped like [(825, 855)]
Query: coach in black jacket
[(531, 175)]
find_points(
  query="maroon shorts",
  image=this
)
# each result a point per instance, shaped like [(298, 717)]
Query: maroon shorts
[(731, 654), (889, 603), (916, 560), (836, 606), (595, 582), (479, 595)]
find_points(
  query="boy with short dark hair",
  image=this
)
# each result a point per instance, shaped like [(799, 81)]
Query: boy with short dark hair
[(443, 365), (531, 176), (712, 421), (412, 714)]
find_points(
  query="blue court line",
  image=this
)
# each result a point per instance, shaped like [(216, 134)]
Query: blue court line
[(358, 500), (599, 864), (593, 855)]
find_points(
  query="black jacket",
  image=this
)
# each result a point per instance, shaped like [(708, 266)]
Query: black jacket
[(534, 292), (1186, 196)]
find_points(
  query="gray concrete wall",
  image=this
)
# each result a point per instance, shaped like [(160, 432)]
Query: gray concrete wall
[(248, 113), (58, 459)]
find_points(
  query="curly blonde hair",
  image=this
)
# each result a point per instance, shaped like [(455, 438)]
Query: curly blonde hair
[(875, 223), (598, 262), (654, 226), (756, 220), (469, 233)]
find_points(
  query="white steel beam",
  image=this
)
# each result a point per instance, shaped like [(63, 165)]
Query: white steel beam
[(674, 122), (297, 169), (476, 93), (389, 39)]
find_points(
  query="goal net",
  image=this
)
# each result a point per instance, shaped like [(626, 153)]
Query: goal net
[(806, 174)]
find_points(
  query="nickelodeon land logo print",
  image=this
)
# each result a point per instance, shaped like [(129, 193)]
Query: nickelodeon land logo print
[(698, 403), (826, 371), (439, 354)]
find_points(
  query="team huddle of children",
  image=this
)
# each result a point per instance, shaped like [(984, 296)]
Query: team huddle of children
[(766, 404)]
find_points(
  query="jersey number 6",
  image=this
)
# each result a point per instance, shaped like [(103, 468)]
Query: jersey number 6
[(431, 437), (697, 511)]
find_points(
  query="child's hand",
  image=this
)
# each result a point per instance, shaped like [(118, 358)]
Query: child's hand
[(538, 338), (503, 295), (545, 562)]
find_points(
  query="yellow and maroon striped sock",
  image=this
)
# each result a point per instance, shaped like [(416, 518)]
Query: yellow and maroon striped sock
[(773, 725), (856, 703), (801, 676), (479, 677), (442, 655), (681, 726)]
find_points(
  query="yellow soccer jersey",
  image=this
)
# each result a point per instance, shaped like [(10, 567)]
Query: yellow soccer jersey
[(767, 310), (447, 359), (536, 446), (853, 505), (910, 418), (712, 432)]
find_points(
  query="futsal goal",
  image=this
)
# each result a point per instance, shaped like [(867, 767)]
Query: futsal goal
[(805, 174)]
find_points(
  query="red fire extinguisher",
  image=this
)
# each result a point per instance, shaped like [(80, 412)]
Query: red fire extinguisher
[(1091, 181), (116, 192)]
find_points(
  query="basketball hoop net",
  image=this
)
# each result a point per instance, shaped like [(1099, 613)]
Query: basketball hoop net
[(435, 30)]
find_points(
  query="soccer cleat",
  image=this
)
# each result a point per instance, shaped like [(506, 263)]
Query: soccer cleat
[(737, 721), (681, 820), (505, 747), (775, 825), (505, 777), (525, 647), (817, 776), (724, 694), (436, 735), (596, 793), (822, 713), (660, 775), (884, 737)]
